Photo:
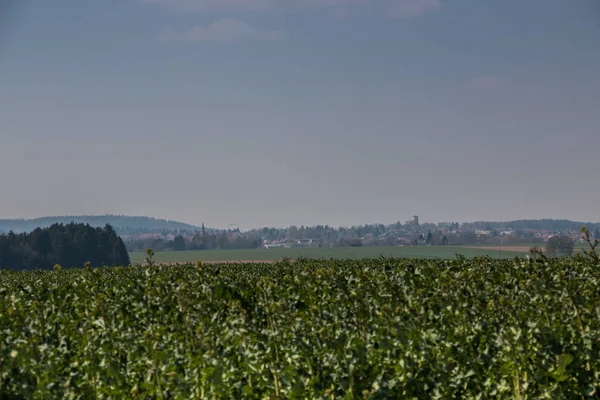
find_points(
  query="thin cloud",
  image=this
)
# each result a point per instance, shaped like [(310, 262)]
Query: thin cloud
[(340, 13), (396, 8), (413, 8), (486, 83), (212, 5), (225, 31), (252, 5)]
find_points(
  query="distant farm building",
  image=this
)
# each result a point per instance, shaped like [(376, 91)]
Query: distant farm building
[(288, 244), (305, 243), (275, 245)]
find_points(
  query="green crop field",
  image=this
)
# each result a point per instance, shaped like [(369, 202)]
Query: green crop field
[(321, 329), (325, 253)]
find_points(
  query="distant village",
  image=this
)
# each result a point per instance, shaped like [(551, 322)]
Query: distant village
[(140, 233), (409, 233)]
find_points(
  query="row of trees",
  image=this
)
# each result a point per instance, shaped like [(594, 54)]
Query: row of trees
[(383, 235), (323, 235), (70, 245), (201, 240)]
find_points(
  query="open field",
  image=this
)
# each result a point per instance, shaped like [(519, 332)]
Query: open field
[(510, 249), (326, 253), (524, 248)]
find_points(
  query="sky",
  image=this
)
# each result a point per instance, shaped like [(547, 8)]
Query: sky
[(256, 113)]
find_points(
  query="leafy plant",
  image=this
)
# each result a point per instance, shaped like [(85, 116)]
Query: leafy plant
[(593, 244), (382, 328), (149, 257)]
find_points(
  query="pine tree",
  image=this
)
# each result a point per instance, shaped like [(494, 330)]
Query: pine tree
[(120, 256), (179, 243)]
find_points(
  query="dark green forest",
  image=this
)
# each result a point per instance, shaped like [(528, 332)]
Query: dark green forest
[(70, 245)]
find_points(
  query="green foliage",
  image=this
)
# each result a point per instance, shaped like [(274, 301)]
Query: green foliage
[(379, 329), (593, 244), (149, 256)]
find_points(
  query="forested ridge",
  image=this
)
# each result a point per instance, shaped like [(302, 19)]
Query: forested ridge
[(122, 224)]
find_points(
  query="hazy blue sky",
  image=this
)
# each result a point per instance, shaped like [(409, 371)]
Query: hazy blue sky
[(278, 112)]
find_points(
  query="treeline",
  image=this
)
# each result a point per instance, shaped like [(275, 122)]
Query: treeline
[(70, 245), (327, 236), (202, 240)]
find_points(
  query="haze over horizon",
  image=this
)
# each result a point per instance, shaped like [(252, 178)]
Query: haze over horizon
[(289, 112), (82, 219)]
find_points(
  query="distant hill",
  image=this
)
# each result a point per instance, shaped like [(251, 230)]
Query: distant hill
[(123, 225), (541, 224)]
